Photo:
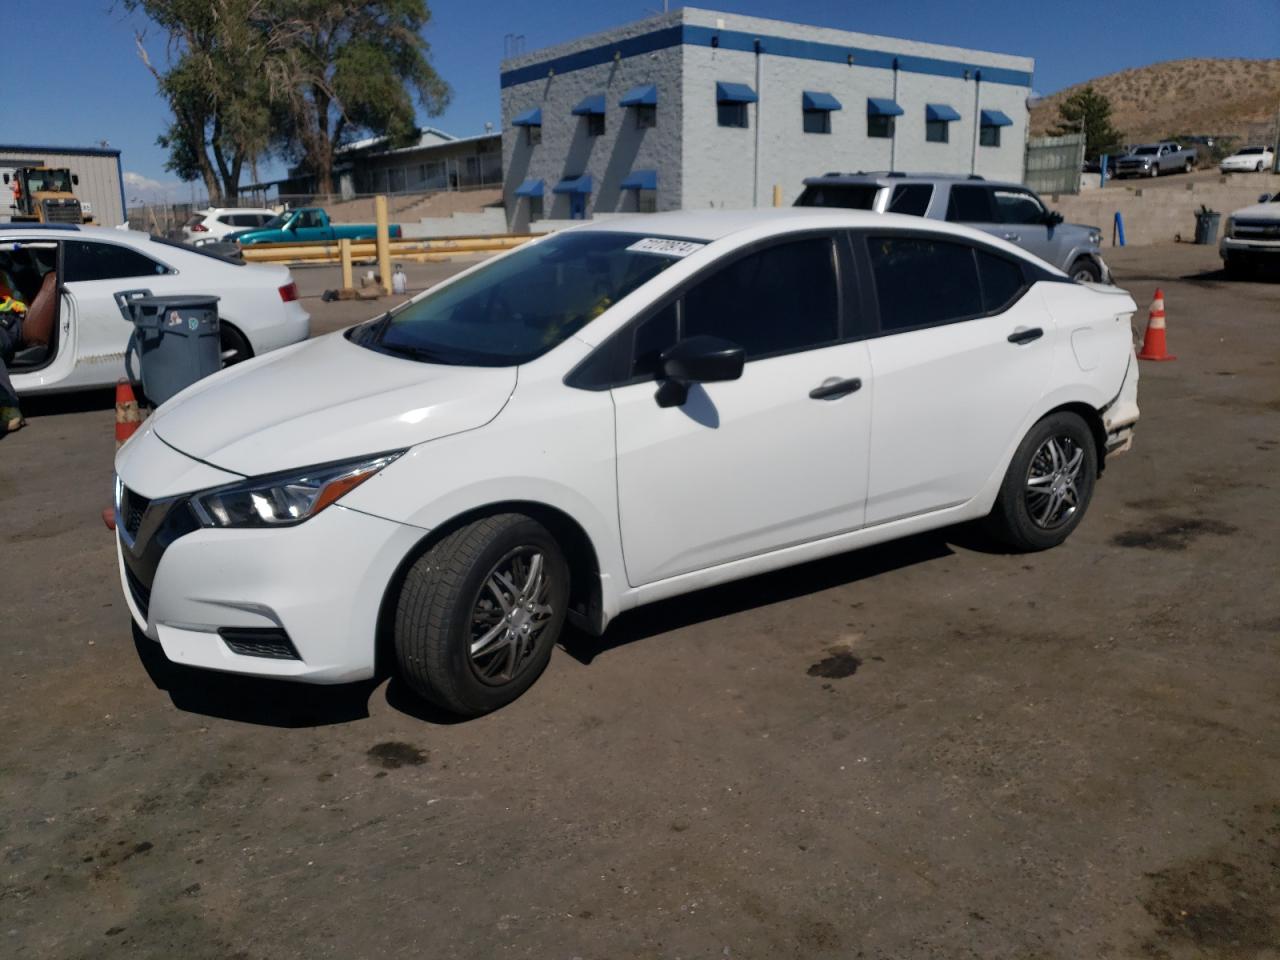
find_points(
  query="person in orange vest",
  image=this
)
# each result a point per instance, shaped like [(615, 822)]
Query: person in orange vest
[(12, 309)]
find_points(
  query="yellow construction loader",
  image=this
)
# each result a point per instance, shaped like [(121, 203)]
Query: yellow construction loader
[(44, 195)]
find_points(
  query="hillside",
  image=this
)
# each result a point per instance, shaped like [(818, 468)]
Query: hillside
[(1225, 97)]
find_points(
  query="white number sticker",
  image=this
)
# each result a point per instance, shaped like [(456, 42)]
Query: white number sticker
[(666, 248)]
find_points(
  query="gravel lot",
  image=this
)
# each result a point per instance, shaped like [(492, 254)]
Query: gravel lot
[(921, 750)]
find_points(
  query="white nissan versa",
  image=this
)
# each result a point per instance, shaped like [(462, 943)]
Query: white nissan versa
[(614, 414)]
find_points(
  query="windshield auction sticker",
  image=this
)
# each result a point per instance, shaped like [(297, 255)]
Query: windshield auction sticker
[(665, 248)]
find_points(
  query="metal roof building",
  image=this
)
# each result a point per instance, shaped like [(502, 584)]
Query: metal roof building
[(101, 186)]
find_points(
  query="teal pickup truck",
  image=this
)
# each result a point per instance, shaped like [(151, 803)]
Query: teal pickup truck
[(306, 225)]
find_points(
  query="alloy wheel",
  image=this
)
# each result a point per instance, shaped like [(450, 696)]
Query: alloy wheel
[(1052, 486), (509, 615)]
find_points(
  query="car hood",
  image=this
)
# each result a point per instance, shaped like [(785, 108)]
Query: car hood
[(323, 400), (1259, 211)]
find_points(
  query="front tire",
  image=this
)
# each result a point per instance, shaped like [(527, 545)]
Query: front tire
[(1188, 167), (1085, 270), (479, 612), (1048, 485), (1155, 170)]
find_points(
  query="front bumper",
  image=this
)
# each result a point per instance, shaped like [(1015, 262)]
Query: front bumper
[(319, 584), (1237, 247)]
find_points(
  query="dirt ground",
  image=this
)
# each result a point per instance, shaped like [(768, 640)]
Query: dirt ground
[(921, 750)]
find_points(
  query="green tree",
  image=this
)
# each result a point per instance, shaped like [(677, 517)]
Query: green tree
[(1089, 112), (217, 87), (342, 69)]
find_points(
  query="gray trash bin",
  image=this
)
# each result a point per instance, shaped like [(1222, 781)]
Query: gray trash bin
[(1207, 226), (174, 338)]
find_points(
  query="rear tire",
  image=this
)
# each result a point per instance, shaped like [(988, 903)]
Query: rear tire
[(233, 345), (479, 612), (1048, 485)]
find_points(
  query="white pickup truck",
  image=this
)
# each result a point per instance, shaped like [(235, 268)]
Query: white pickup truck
[(1252, 237), (1153, 159)]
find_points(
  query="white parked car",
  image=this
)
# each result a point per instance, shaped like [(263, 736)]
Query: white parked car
[(69, 276), (1251, 237), (216, 223), (1248, 160), (605, 417)]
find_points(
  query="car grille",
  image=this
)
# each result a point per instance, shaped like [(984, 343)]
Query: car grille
[(271, 643), (138, 590), (1257, 229), (56, 212), (132, 508)]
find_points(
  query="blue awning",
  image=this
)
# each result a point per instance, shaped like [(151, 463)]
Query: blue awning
[(530, 188), (735, 93), (882, 107), (994, 118), (940, 111), (816, 100), (580, 184), (591, 104), (642, 96), (641, 180), (530, 118)]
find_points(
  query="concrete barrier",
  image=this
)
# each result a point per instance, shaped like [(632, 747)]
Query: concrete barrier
[(1163, 212)]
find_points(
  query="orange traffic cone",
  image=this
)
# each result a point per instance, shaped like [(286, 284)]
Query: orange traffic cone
[(128, 416), (1153, 345)]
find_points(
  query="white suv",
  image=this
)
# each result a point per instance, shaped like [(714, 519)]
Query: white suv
[(616, 413), (213, 224)]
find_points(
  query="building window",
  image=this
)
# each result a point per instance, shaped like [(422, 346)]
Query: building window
[(647, 201), (533, 135), (817, 121), (936, 131), (646, 116), (731, 114), (535, 208), (595, 124), (879, 125), (989, 136)]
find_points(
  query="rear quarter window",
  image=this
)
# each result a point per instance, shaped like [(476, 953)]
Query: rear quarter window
[(1002, 281)]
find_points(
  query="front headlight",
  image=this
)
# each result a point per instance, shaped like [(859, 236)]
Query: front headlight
[(1230, 227), (285, 499), (1095, 238)]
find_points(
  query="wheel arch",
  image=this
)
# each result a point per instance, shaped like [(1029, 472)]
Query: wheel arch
[(586, 595), (1094, 421)]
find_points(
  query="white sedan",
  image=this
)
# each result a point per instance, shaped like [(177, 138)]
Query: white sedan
[(1248, 160), (69, 276), (614, 414)]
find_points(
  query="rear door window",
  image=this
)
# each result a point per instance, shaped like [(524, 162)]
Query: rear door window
[(87, 260), (911, 199), (923, 281), (970, 204)]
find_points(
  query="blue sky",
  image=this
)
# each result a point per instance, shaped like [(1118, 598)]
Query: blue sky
[(89, 84)]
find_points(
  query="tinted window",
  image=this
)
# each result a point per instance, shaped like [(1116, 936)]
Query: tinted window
[(1017, 206), (989, 136), (937, 131), (83, 260), (921, 281), (817, 121), (780, 299), (731, 114), (1001, 281), (852, 196), (879, 126), (911, 198), (970, 204)]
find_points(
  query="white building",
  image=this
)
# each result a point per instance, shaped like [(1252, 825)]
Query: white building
[(697, 108)]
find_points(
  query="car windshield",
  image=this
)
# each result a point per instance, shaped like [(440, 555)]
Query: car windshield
[(276, 222), (853, 196), (520, 306), (53, 181), (1146, 151)]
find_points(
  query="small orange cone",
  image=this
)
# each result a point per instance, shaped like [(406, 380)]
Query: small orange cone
[(128, 416), (109, 518), (1153, 344)]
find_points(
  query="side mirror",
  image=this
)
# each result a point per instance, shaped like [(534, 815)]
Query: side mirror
[(700, 359), (6, 178), (1264, 197), (75, 179), (1052, 218)]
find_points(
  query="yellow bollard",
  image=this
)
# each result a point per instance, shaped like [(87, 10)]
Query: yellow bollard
[(344, 253), (384, 244), (777, 194)]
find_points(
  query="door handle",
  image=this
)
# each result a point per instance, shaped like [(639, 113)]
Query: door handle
[(1012, 237), (1025, 335), (833, 388)]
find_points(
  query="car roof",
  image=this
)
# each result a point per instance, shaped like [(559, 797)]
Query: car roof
[(709, 226), (885, 178)]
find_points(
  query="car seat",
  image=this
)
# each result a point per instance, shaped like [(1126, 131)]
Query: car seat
[(38, 324)]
